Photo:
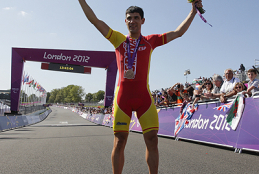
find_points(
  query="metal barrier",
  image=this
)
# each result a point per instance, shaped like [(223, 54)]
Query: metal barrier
[(24, 110)]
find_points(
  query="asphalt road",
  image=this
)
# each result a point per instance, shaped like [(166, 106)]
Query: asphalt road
[(67, 143)]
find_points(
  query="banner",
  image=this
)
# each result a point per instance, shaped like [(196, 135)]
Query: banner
[(249, 130), (11, 122), (207, 125)]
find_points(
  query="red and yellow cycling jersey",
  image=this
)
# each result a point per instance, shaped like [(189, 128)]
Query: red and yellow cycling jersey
[(134, 94)]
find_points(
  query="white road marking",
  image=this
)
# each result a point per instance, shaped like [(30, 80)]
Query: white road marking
[(63, 122)]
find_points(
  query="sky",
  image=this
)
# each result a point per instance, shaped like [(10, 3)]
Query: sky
[(61, 24)]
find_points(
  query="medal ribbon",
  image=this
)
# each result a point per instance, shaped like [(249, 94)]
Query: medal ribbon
[(202, 16), (131, 59)]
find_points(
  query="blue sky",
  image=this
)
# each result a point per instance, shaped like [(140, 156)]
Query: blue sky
[(61, 24)]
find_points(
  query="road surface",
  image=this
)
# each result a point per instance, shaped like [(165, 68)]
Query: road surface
[(67, 143)]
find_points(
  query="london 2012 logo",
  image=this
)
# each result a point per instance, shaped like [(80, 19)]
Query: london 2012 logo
[(61, 56)]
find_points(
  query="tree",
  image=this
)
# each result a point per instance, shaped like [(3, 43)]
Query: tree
[(88, 97), (53, 94), (59, 97), (76, 93), (69, 94), (48, 95), (100, 95)]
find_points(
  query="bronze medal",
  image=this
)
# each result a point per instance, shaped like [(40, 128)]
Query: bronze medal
[(129, 74)]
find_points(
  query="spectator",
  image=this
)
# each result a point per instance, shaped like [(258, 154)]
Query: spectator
[(208, 87), (171, 96), (228, 85), (217, 81), (190, 91), (239, 87), (178, 90), (253, 83), (197, 94), (166, 99), (158, 98), (170, 99)]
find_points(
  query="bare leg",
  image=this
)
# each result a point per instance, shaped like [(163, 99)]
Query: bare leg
[(152, 156), (120, 140)]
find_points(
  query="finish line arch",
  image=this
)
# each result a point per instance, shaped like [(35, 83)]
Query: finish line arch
[(98, 59)]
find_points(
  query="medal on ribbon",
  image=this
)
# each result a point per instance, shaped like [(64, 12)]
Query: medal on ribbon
[(129, 74), (200, 11)]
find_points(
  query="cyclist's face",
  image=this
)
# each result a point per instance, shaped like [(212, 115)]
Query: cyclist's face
[(134, 22)]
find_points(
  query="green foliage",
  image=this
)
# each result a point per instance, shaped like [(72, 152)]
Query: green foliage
[(88, 97), (53, 95), (100, 95), (69, 94), (73, 94), (48, 95)]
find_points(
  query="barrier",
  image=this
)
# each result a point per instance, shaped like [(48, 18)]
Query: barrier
[(12, 122), (207, 125)]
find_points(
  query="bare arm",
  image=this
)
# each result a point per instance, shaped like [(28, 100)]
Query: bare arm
[(172, 88), (100, 25), (224, 97), (183, 27), (249, 91), (216, 95)]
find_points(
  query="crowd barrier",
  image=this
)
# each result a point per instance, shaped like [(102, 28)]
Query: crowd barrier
[(207, 125), (12, 122)]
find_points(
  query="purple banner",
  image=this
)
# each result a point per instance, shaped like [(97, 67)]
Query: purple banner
[(98, 118), (134, 123), (108, 120), (209, 125), (249, 130)]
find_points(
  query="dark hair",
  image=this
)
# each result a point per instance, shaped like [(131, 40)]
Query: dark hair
[(208, 81), (252, 70), (190, 90), (165, 93), (135, 9)]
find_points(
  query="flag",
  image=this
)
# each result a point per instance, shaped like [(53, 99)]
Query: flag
[(26, 79), (23, 78), (29, 82), (236, 111), (34, 85), (183, 119), (224, 107)]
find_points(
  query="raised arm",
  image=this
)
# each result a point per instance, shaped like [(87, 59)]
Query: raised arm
[(183, 27), (100, 25)]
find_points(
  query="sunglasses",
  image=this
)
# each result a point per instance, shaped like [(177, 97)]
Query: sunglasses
[(207, 83), (239, 87)]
